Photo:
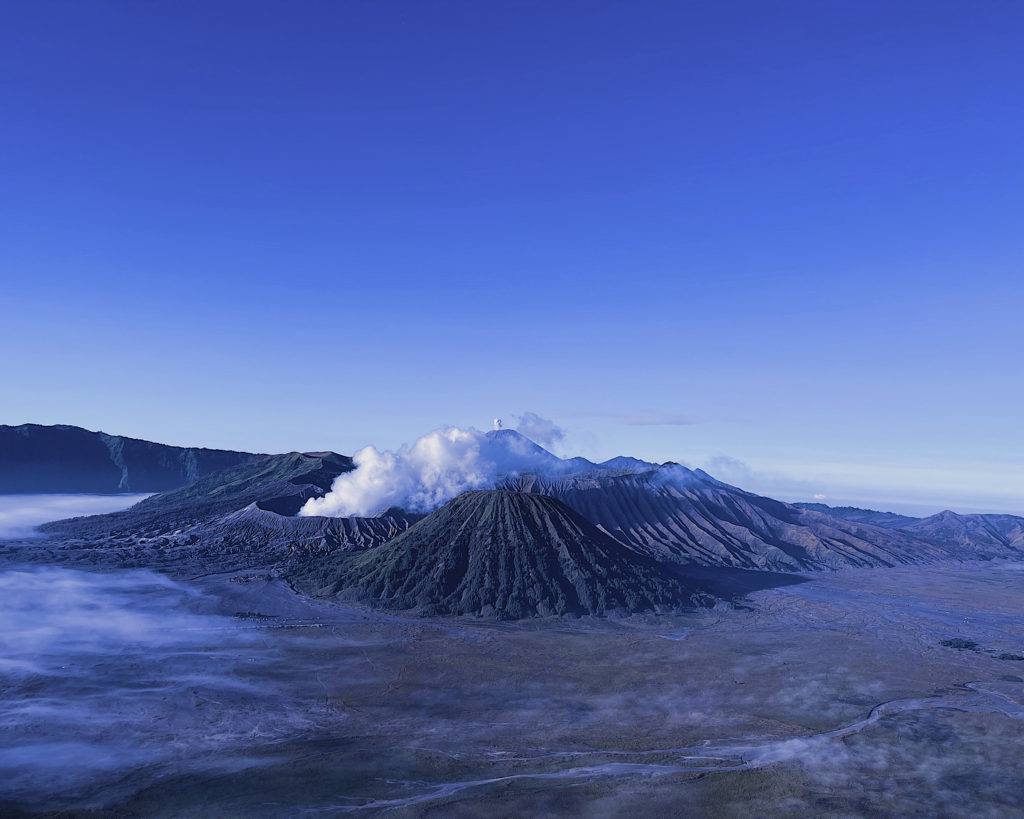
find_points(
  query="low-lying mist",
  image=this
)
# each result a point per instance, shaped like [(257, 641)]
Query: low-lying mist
[(20, 514), (103, 674)]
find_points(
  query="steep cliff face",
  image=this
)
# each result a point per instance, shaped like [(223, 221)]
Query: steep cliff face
[(46, 459), (504, 554)]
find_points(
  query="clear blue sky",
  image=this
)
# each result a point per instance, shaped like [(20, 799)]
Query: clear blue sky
[(307, 225)]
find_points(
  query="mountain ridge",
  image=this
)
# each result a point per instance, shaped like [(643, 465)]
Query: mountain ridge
[(278, 483), (245, 516), (680, 514), (61, 458)]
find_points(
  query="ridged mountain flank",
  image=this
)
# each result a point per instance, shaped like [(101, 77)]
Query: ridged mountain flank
[(276, 483), (674, 513), (504, 554)]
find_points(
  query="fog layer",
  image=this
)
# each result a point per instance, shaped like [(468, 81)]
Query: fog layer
[(20, 514), (106, 673)]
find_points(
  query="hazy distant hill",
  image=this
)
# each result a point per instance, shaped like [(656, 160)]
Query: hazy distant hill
[(625, 462), (46, 459), (980, 535), (966, 536), (890, 519), (513, 452)]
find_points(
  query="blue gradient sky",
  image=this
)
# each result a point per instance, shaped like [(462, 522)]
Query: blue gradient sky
[(309, 225)]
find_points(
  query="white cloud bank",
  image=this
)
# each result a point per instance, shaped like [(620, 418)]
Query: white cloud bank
[(21, 514)]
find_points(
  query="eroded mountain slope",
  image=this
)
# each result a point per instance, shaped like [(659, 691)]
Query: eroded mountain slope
[(686, 515), (501, 553)]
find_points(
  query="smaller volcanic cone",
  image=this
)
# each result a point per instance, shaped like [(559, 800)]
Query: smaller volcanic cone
[(505, 554)]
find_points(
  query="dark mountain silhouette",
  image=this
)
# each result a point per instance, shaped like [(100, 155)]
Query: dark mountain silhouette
[(46, 459), (501, 553)]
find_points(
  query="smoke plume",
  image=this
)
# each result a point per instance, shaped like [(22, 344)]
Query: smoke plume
[(436, 468), (542, 430)]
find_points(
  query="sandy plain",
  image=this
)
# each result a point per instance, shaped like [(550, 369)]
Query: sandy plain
[(892, 691)]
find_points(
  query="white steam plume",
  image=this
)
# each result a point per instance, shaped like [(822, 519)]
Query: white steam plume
[(542, 430), (439, 466)]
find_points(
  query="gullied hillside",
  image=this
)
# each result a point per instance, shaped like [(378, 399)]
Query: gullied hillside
[(278, 483), (984, 536), (239, 518), (967, 537), (676, 513), (284, 537), (500, 553), (47, 459)]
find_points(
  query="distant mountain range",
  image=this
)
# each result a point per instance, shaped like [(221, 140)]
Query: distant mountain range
[(49, 459), (888, 519), (595, 540), (983, 536), (675, 513), (37, 459), (513, 452)]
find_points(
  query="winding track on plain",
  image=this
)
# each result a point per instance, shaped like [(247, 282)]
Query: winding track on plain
[(700, 758)]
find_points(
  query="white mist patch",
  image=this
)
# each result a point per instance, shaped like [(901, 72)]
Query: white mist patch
[(21, 514), (102, 673), (49, 615), (437, 467), (542, 430)]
